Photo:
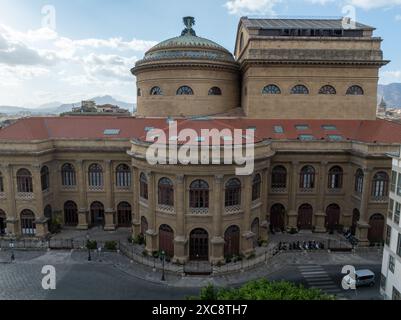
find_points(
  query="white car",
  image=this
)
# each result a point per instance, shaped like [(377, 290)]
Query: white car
[(362, 278)]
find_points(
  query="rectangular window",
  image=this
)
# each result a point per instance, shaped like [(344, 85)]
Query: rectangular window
[(278, 129), (329, 128), (388, 235), (396, 295), (306, 137), (112, 132), (397, 213), (399, 185), (302, 127), (335, 137), (399, 245), (393, 181), (391, 264), (391, 209)]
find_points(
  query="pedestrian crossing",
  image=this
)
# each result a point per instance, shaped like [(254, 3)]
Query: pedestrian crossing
[(317, 278)]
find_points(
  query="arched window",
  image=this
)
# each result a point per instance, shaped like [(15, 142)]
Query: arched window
[(68, 178), (95, 177), (28, 224), (24, 181), (124, 215), (307, 180), (300, 89), (215, 91), (166, 192), (1, 183), (139, 92), (359, 176), (123, 176), (256, 187), (271, 89), (355, 91), (45, 178), (143, 186), (335, 178), (279, 177), (3, 223), (199, 194), (233, 193), (327, 90), (156, 91), (185, 91), (380, 185), (70, 214)]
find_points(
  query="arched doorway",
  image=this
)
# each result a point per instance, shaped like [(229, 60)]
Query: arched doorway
[(277, 217), (28, 224), (305, 217), (333, 213), (376, 230), (48, 213), (2, 223), (232, 241), (124, 215), (199, 245), (166, 240), (144, 226), (70, 214), (355, 219), (255, 231), (97, 214)]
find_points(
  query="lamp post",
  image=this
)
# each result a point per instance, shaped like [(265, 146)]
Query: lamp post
[(12, 250), (163, 259), (88, 246)]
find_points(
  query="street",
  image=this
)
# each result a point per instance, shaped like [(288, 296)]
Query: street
[(113, 277)]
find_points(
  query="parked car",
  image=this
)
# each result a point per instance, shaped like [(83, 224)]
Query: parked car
[(362, 278)]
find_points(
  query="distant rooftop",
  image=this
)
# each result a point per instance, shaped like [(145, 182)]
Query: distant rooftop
[(334, 24)]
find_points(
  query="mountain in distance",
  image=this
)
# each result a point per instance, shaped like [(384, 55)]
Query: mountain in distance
[(391, 94), (56, 108)]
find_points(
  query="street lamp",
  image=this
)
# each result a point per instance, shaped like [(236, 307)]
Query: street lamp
[(88, 246), (12, 250), (163, 259)]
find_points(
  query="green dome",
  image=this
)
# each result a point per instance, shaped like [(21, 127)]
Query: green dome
[(188, 46)]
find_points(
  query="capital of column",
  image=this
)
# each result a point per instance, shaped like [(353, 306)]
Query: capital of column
[(218, 178), (179, 178)]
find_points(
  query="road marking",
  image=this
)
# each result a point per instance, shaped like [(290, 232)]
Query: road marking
[(317, 278)]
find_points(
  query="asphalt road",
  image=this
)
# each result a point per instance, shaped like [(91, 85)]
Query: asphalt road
[(97, 281)]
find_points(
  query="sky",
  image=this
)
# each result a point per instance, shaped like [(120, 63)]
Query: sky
[(70, 50)]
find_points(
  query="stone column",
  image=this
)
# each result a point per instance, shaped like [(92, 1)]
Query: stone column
[(264, 224), (83, 211), (180, 240), (248, 235), (363, 224), (320, 215), (136, 221), (110, 206), (41, 221), (293, 189), (152, 233), (10, 190), (217, 241)]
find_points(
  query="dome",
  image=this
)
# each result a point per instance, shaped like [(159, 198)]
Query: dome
[(188, 46)]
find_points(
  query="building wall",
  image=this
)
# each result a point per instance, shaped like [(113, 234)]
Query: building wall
[(391, 279), (201, 80)]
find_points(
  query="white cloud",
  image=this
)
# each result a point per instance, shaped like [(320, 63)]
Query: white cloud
[(244, 7), (387, 77), (374, 4)]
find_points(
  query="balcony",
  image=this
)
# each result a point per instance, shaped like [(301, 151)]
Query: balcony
[(306, 190), (232, 209), (25, 196), (380, 199), (279, 190), (166, 209), (96, 188), (3, 196), (199, 211)]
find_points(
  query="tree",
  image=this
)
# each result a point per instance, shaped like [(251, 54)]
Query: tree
[(263, 290)]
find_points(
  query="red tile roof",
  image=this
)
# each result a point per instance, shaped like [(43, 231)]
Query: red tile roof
[(30, 129)]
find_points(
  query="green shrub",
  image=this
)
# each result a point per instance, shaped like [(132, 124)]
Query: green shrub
[(91, 245), (262, 290), (110, 246)]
